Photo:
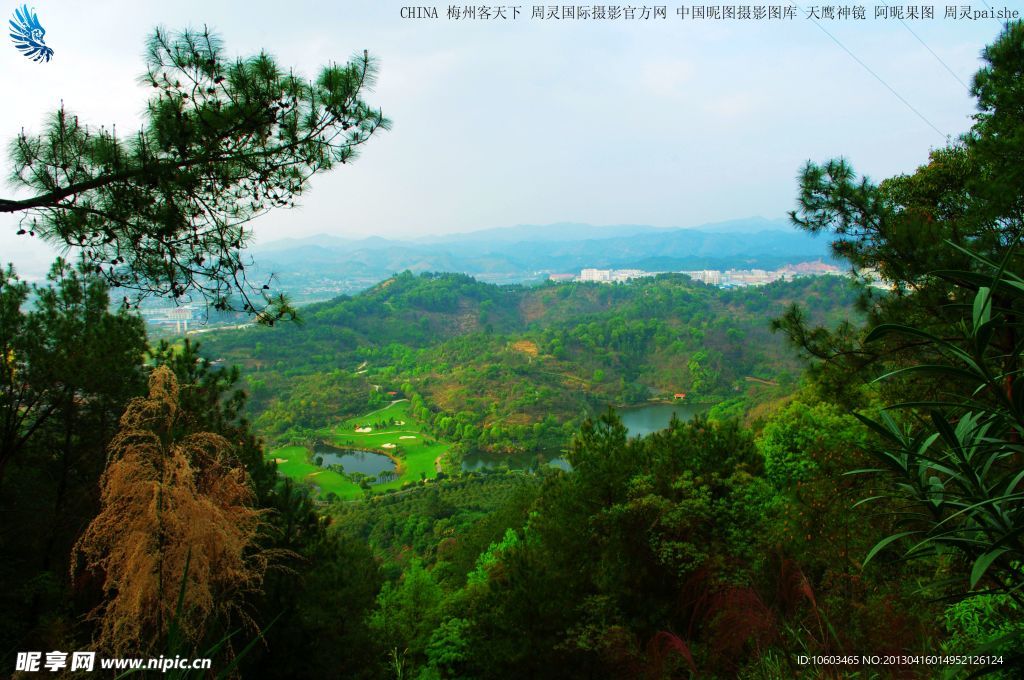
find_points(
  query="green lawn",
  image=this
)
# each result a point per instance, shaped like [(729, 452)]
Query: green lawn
[(415, 457), (293, 461)]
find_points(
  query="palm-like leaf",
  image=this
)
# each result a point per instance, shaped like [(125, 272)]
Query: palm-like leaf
[(962, 463)]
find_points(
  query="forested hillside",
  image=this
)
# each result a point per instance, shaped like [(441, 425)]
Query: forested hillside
[(512, 368), (852, 504)]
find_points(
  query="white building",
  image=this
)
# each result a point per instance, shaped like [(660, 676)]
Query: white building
[(599, 275), (180, 316), (627, 274), (712, 277)]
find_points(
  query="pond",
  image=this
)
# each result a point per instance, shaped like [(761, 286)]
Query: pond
[(479, 461), (561, 463), (639, 421), (643, 420), (352, 460)]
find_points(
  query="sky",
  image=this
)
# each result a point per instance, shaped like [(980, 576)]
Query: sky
[(668, 122)]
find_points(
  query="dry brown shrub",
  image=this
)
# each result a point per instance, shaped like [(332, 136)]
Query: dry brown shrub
[(165, 502), (526, 347)]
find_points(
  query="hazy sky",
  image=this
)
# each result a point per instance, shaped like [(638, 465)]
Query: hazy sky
[(670, 122)]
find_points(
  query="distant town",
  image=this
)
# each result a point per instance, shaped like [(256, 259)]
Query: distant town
[(712, 277), (170, 320)]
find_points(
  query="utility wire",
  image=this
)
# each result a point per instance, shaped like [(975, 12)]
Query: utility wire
[(937, 57), (991, 10), (876, 76)]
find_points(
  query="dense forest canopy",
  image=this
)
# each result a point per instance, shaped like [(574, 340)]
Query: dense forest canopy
[(526, 360)]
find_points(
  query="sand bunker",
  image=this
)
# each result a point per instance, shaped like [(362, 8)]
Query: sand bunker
[(364, 429), (399, 422), (407, 436), (388, 446), (314, 474), (280, 460)]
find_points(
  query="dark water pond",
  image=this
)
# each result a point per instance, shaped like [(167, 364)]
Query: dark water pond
[(365, 462)]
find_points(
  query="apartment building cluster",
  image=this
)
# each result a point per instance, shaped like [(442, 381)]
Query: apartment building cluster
[(179, 317), (612, 275), (712, 277)]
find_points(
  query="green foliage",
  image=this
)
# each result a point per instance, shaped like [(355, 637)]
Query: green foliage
[(407, 615), (945, 340), (490, 557), (611, 546), (961, 466), (554, 353), (68, 366), (48, 354), (322, 603), (448, 649), (967, 195), (728, 409), (313, 402), (165, 210), (451, 521), (991, 622), (704, 370), (800, 434)]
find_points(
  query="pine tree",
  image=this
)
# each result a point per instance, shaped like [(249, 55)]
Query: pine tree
[(164, 211), (68, 367), (968, 199)]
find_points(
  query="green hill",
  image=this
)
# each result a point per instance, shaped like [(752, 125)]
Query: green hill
[(513, 368)]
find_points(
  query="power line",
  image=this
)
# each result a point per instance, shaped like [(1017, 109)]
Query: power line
[(876, 76), (937, 57), (993, 17)]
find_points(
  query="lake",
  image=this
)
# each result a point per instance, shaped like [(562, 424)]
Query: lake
[(643, 420), (365, 462), (639, 421), (478, 461)]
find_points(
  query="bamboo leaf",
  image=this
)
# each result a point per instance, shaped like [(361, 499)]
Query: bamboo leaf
[(954, 371), (881, 545), (982, 310), (866, 500), (891, 434), (982, 564), (881, 330)]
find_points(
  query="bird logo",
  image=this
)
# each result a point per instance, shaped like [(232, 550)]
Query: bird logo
[(27, 34)]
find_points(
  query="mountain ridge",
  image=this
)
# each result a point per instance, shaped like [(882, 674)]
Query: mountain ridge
[(526, 253), (555, 231)]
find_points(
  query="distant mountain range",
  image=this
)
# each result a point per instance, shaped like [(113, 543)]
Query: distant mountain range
[(530, 252)]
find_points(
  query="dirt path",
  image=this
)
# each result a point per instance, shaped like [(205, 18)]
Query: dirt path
[(382, 409)]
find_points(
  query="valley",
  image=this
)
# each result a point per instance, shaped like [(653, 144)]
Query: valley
[(390, 433), (445, 374)]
